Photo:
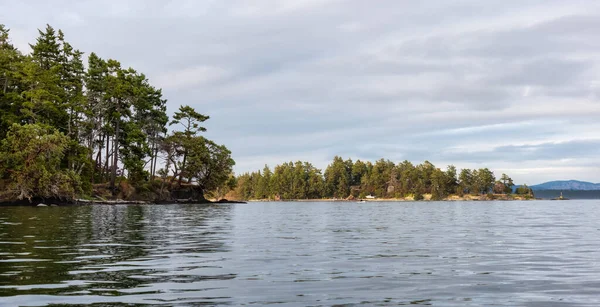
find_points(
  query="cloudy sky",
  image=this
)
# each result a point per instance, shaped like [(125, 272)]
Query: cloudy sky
[(511, 85)]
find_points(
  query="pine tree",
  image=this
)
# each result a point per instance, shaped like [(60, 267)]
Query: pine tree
[(190, 120), (10, 99)]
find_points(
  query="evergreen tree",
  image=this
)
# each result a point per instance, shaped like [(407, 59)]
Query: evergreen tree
[(30, 158), (190, 120), (11, 61), (338, 178), (466, 181)]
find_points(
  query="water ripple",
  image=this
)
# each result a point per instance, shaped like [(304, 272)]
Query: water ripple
[(303, 254)]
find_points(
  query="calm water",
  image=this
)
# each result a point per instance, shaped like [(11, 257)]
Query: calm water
[(540, 253)]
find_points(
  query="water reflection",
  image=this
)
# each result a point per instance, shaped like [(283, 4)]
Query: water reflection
[(95, 253), (303, 254)]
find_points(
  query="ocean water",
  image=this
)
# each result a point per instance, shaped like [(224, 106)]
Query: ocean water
[(531, 253)]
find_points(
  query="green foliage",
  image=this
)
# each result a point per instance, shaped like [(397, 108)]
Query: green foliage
[(417, 195), (108, 122), (10, 99), (342, 178), (190, 120), (338, 177), (30, 158), (299, 180), (210, 165), (508, 183), (194, 158), (439, 183), (524, 190)]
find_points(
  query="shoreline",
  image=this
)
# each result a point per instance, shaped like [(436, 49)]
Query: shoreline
[(427, 198), (93, 202), (85, 202)]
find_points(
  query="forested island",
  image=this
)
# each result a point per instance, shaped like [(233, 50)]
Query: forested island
[(97, 131), (73, 132), (348, 180)]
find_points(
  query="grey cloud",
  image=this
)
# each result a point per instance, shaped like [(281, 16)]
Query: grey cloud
[(576, 149), (543, 72), (455, 82)]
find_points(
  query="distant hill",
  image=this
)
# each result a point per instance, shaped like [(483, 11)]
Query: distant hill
[(573, 185)]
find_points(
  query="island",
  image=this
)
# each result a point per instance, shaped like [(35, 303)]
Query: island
[(383, 180), (100, 134)]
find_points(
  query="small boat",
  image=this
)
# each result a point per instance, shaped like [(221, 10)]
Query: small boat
[(361, 201)]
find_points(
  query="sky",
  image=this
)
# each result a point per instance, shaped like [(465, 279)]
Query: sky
[(512, 85)]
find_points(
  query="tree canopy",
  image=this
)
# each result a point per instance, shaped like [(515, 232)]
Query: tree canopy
[(383, 178), (97, 124)]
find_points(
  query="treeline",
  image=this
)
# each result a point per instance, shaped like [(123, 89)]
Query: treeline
[(65, 126), (384, 179)]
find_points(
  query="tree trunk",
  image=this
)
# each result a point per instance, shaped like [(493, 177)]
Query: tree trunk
[(182, 168), (153, 158), (106, 159), (113, 176), (98, 161)]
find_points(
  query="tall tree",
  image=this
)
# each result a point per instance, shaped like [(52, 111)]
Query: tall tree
[(11, 60), (40, 74), (93, 130), (507, 182), (119, 96), (210, 165), (190, 120), (114, 120), (338, 178), (466, 181)]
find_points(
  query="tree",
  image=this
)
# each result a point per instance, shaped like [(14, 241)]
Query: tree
[(508, 183), (93, 131), (451, 180), (359, 170), (71, 74), (46, 74), (209, 165), (338, 178), (263, 190), (466, 181), (524, 190), (425, 171), (30, 158), (119, 96), (112, 117), (438, 185), (381, 177), (499, 187), (484, 180), (315, 184), (10, 99), (408, 177), (301, 180), (190, 120)]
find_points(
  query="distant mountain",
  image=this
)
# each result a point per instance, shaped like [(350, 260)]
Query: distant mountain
[(574, 185)]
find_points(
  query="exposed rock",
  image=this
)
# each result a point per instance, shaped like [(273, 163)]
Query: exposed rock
[(42, 205)]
